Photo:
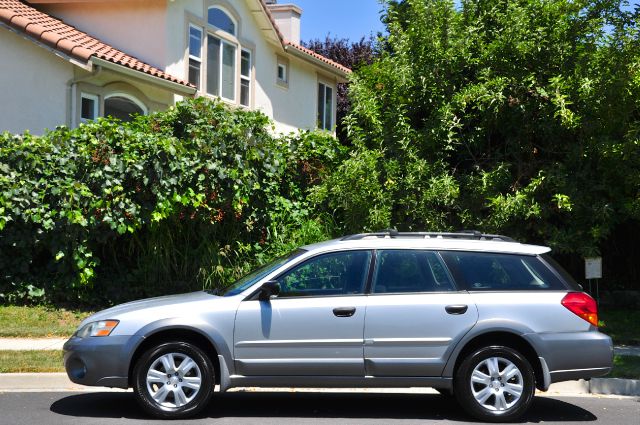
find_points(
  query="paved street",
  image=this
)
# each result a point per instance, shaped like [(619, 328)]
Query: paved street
[(303, 408)]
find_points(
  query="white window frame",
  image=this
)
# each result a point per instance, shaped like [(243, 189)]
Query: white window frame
[(195, 58), (229, 15), (282, 63), (322, 120), (96, 106), (246, 78)]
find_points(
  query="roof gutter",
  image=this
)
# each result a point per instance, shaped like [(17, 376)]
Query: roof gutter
[(342, 76), (170, 85)]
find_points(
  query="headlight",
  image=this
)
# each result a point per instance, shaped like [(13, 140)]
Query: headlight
[(101, 328)]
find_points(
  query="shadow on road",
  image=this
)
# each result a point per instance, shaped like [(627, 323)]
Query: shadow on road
[(312, 405)]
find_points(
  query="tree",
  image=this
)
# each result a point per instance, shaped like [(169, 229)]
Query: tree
[(520, 117)]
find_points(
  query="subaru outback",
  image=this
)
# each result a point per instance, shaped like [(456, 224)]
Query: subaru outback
[(480, 317)]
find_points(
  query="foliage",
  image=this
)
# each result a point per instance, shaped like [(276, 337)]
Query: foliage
[(519, 117), (180, 200), (353, 55)]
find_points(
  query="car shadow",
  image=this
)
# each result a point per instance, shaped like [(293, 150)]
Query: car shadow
[(314, 405)]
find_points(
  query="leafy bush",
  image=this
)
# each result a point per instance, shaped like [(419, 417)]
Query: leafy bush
[(185, 199)]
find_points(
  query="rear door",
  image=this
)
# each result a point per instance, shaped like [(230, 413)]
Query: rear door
[(415, 315)]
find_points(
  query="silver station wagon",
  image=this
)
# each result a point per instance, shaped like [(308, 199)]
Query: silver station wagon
[(480, 317)]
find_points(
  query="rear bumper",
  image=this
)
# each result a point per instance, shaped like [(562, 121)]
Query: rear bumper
[(99, 361), (574, 355)]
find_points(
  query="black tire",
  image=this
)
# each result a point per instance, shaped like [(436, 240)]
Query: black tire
[(503, 404), (180, 399)]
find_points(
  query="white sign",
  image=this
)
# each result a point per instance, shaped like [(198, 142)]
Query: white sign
[(593, 268)]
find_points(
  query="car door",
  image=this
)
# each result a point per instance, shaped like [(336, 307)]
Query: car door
[(314, 326), (415, 315)]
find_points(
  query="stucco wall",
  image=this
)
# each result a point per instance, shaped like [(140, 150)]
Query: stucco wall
[(156, 31), (33, 86), (137, 28)]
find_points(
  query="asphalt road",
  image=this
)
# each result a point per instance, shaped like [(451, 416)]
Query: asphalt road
[(303, 408)]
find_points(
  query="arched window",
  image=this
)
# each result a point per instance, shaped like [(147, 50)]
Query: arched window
[(221, 19), (123, 107)]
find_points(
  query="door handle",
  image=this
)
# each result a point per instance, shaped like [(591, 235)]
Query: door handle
[(344, 311), (456, 309)]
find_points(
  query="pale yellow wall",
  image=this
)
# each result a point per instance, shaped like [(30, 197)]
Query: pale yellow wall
[(33, 86)]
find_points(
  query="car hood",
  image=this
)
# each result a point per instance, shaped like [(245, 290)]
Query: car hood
[(150, 303)]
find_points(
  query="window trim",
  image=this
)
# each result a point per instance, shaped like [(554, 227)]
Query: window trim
[(322, 125), (248, 78), (130, 97), (284, 62), (96, 106), (207, 30)]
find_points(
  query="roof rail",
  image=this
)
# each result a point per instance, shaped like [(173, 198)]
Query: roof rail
[(463, 234)]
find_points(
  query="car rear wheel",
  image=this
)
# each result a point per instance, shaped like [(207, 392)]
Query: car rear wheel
[(495, 384), (174, 380)]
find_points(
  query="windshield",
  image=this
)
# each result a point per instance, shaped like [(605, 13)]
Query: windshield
[(250, 279)]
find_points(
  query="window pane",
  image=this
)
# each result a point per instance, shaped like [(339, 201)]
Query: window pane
[(213, 66), (195, 42), (88, 109), (220, 19), (244, 92), (194, 72), (228, 71), (321, 105), (341, 273), (328, 109), (121, 108), (245, 63), (489, 271), (401, 271)]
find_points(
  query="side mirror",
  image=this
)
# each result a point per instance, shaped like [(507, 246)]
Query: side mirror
[(268, 290)]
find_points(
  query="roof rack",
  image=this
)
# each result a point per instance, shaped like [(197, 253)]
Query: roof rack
[(463, 234)]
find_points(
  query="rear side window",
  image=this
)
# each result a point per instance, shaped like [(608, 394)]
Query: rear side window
[(483, 271), (402, 271)]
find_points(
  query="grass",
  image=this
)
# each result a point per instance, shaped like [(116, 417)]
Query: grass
[(625, 367), (31, 361), (621, 325), (38, 322)]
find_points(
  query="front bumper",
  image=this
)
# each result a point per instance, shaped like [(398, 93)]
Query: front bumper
[(99, 361)]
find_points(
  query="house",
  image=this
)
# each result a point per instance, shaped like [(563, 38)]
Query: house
[(67, 61)]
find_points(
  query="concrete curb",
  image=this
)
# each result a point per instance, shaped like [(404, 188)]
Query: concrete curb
[(59, 382)]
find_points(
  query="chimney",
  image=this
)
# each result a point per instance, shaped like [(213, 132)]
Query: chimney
[(287, 17)]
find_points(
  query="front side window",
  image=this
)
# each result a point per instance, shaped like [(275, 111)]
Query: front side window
[(338, 273), (404, 271), (245, 77), (221, 68), (483, 271), (325, 107)]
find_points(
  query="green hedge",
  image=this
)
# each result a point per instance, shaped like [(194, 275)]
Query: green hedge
[(180, 200)]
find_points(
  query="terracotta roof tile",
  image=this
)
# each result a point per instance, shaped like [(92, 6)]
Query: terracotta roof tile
[(69, 40), (310, 52), (319, 57)]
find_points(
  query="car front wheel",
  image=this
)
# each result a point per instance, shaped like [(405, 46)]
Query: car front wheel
[(174, 380), (495, 384)]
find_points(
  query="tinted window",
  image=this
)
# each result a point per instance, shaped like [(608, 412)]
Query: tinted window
[(252, 278), (490, 271), (339, 273), (400, 271)]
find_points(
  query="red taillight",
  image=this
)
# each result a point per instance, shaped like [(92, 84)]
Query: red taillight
[(582, 305)]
